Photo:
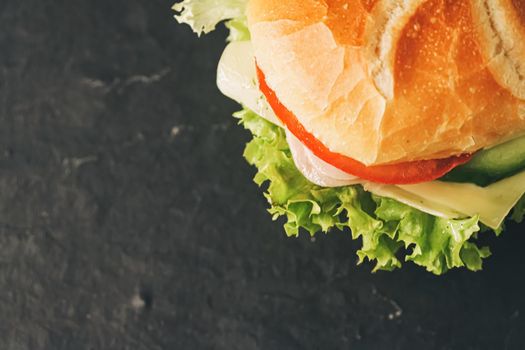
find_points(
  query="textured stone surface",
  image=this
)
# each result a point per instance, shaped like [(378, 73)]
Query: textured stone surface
[(128, 218)]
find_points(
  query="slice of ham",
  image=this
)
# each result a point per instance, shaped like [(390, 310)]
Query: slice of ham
[(315, 169)]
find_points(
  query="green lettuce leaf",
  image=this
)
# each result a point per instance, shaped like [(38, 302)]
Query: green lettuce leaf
[(204, 15), (390, 232), (238, 29)]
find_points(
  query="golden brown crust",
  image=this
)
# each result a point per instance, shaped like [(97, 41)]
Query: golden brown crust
[(502, 41), (396, 80)]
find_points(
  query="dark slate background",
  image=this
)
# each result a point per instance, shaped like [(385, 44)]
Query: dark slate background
[(128, 218)]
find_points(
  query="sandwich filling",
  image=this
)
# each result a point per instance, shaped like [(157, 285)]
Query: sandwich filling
[(237, 79)]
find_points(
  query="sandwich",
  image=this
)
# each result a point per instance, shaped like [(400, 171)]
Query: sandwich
[(400, 121)]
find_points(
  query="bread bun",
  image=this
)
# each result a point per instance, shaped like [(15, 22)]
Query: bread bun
[(396, 80)]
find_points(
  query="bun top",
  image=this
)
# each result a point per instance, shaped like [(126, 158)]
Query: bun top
[(396, 80)]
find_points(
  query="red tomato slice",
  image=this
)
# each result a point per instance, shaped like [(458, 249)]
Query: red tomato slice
[(400, 173)]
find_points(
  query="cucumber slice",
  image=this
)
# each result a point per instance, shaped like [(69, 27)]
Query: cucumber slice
[(492, 164)]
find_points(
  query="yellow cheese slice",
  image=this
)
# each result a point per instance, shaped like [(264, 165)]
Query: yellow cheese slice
[(447, 199)]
